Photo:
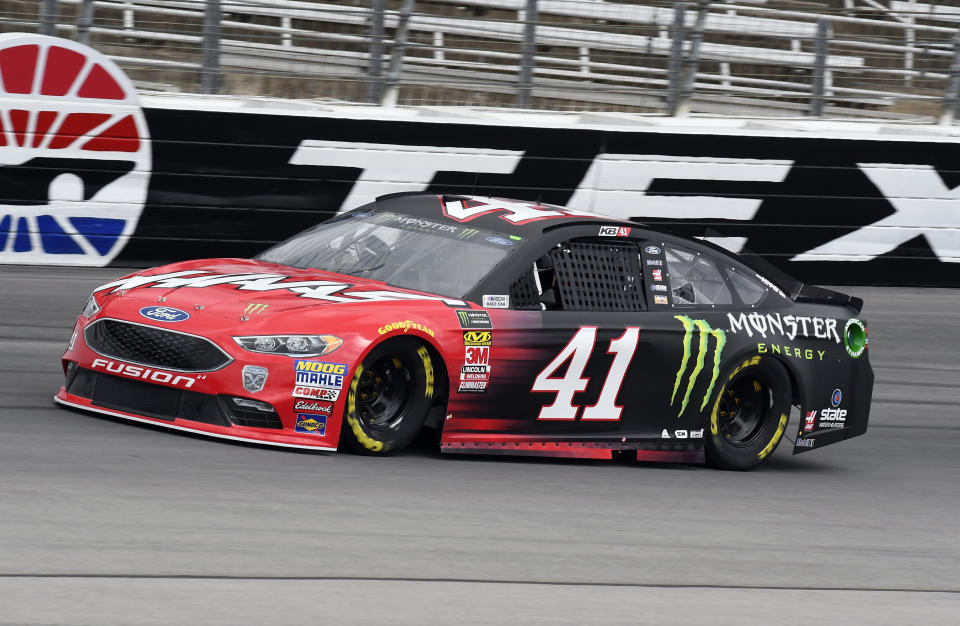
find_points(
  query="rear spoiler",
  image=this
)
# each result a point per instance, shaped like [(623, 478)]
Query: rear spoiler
[(809, 293)]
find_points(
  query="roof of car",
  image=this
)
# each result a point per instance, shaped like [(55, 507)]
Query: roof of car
[(521, 217)]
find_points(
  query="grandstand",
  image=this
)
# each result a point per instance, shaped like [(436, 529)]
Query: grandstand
[(884, 59)]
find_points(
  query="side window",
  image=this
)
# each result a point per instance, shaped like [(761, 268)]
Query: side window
[(749, 290), (695, 278), (581, 276)]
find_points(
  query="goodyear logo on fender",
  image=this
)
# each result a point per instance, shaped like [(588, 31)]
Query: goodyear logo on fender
[(477, 338), (405, 325), (704, 332), (311, 424)]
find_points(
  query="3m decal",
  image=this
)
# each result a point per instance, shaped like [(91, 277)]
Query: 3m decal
[(144, 373), (704, 332), (470, 319), (311, 424), (477, 355), (789, 326), (75, 153), (315, 289), (577, 352)]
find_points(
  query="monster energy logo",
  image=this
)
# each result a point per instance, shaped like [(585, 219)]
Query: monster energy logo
[(253, 309), (467, 233), (705, 332)]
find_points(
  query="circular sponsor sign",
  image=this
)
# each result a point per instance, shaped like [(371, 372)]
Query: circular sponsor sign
[(74, 140), (836, 398), (500, 241), (652, 250), (164, 314)]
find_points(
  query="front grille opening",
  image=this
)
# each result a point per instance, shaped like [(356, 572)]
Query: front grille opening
[(146, 345), (253, 413)]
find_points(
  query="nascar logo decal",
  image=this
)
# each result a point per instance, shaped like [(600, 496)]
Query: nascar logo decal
[(70, 122)]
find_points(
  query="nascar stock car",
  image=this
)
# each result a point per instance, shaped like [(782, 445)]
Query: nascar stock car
[(501, 325)]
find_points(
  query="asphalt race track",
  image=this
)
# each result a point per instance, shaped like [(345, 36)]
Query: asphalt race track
[(108, 522)]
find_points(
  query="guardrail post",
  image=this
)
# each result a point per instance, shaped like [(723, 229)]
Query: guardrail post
[(210, 72), (678, 33), (819, 67), (392, 84), (682, 108), (951, 97), (84, 22), (375, 70), (525, 81), (49, 17)]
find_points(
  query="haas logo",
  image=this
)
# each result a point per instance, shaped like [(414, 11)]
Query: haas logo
[(74, 153)]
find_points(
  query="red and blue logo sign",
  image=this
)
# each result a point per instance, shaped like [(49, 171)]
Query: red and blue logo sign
[(836, 398), (164, 314), (311, 424)]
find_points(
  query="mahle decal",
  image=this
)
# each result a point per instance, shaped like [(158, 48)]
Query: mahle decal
[(705, 332)]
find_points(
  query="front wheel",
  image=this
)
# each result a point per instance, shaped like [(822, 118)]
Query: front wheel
[(389, 396), (749, 415)]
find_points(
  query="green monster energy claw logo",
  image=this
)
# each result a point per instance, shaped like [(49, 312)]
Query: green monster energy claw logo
[(467, 233), (704, 332)]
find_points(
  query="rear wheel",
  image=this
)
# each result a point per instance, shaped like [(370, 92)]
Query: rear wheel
[(749, 415), (389, 396)]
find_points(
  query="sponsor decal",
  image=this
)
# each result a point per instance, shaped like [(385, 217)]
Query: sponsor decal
[(500, 241), (805, 443), (806, 354), (420, 223), (661, 300), (164, 314), (254, 377), (696, 434), (405, 325), (316, 393), (477, 355), (656, 287), (496, 302), (474, 372), (665, 434), (73, 115), (654, 250), (704, 333), (832, 418), (253, 309), (477, 338), (467, 233), (809, 421), (657, 275), (518, 213), (854, 337), (144, 373), (311, 424), (317, 407), (614, 231), (789, 326), (328, 291), (836, 398), (770, 285), (656, 262), (73, 340), (472, 386), (470, 319), (318, 379), (680, 434)]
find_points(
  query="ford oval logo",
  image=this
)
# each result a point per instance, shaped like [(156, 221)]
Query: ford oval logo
[(164, 313), (652, 250), (500, 241)]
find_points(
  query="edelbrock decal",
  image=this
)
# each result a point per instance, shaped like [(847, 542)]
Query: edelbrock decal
[(316, 289), (75, 139)]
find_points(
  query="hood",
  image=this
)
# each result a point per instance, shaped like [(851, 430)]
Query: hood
[(236, 288)]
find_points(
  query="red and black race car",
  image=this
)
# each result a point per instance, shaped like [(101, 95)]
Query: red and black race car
[(506, 326)]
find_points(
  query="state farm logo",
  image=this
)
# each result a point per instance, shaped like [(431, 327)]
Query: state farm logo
[(75, 155)]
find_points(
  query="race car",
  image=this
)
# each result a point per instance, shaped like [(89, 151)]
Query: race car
[(504, 326)]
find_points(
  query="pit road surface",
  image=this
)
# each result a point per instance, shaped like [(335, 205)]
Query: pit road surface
[(105, 522)]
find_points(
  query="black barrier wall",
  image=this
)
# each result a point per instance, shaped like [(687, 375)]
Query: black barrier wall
[(827, 210)]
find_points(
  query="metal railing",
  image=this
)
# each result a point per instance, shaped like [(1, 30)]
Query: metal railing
[(893, 59)]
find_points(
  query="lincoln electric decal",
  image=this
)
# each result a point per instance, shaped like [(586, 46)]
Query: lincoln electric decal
[(74, 153)]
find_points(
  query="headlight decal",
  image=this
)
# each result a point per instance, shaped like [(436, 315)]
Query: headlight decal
[(290, 345)]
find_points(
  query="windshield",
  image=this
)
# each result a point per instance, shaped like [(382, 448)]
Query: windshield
[(401, 250)]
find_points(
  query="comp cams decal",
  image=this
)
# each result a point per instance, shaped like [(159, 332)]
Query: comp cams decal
[(75, 144), (325, 290)]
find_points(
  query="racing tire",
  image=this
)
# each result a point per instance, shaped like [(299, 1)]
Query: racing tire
[(388, 399), (750, 414)]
